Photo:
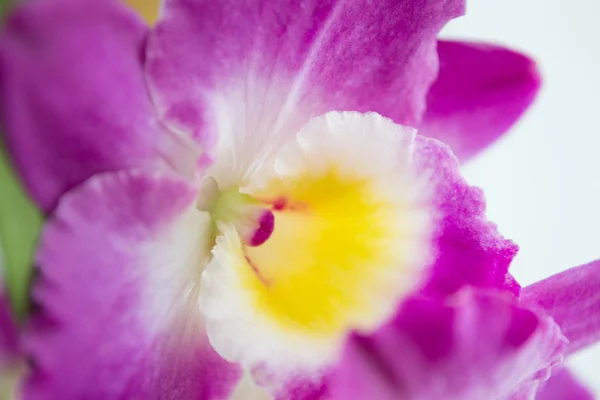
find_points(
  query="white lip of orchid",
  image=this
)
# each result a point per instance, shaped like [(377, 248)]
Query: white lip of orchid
[(351, 239)]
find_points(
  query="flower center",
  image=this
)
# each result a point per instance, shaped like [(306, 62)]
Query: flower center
[(252, 221), (346, 237)]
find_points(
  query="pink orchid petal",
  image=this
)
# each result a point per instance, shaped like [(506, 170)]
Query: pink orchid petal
[(480, 93), (119, 269), (572, 298), (267, 61), (562, 385), (470, 251), (73, 101), (478, 345)]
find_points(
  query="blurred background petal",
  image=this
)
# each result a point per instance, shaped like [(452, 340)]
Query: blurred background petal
[(480, 92)]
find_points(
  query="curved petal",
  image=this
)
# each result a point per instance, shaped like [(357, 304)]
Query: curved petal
[(476, 345), (254, 69), (73, 100), (480, 92), (119, 271), (572, 298), (562, 385), (470, 249)]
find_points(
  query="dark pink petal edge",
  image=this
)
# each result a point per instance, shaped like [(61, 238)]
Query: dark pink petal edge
[(469, 249)]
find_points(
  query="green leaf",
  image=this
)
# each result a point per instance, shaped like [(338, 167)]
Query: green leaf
[(20, 225), (4, 4)]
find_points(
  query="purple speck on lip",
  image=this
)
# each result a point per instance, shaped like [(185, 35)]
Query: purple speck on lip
[(266, 224)]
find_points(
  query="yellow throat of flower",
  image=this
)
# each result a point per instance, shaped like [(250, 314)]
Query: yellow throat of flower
[(331, 242)]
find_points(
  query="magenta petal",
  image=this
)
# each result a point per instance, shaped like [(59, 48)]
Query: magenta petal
[(270, 61), (562, 385), (470, 251), (119, 277), (572, 298), (476, 346), (480, 92), (73, 100)]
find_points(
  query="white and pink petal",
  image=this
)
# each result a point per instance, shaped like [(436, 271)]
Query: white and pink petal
[(119, 269), (246, 75)]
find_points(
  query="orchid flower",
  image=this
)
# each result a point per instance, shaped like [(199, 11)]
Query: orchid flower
[(240, 206)]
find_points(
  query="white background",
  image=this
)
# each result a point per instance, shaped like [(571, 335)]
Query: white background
[(542, 180)]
